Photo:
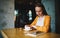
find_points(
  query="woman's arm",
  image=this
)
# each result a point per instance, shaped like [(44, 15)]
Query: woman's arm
[(46, 26), (34, 22)]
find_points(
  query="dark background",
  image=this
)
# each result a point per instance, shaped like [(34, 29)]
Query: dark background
[(23, 7), (57, 15)]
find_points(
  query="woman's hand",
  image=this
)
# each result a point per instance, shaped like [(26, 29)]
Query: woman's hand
[(33, 28)]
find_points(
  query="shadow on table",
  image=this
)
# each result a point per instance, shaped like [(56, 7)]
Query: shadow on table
[(1, 35)]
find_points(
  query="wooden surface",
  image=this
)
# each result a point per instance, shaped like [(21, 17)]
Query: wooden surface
[(18, 33)]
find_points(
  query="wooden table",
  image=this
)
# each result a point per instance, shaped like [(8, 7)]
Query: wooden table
[(17, 33)]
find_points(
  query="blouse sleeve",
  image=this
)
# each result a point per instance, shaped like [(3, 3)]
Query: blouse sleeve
[(34, 22), (45, 28)]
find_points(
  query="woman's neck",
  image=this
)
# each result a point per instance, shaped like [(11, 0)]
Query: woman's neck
[(41, 16)]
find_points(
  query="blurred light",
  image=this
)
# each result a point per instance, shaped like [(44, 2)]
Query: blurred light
[(15, 12), (30, 15), (30, 18)]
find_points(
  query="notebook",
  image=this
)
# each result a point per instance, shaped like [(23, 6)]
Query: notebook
[(34, 34)]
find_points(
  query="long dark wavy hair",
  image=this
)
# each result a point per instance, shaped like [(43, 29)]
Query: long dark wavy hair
[(43, 8)]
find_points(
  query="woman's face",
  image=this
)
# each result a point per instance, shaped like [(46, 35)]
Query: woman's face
[(38, 11)]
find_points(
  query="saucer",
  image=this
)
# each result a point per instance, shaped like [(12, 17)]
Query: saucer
[(27, 29)]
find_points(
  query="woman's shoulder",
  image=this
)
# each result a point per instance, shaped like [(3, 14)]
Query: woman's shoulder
[(36, 16), (47, 16)]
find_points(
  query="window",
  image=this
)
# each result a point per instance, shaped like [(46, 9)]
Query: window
[(30, 15)]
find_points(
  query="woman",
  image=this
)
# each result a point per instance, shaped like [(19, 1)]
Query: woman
[(42, 20)]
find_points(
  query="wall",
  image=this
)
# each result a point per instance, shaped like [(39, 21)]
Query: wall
[(50, 8), (6, 14)]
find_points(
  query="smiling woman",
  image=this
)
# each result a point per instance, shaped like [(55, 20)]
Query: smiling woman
[(42, 20)]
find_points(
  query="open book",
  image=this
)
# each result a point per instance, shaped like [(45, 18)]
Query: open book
[(34, 34)]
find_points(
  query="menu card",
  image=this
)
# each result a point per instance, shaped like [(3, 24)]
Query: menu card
[(34, 33)]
